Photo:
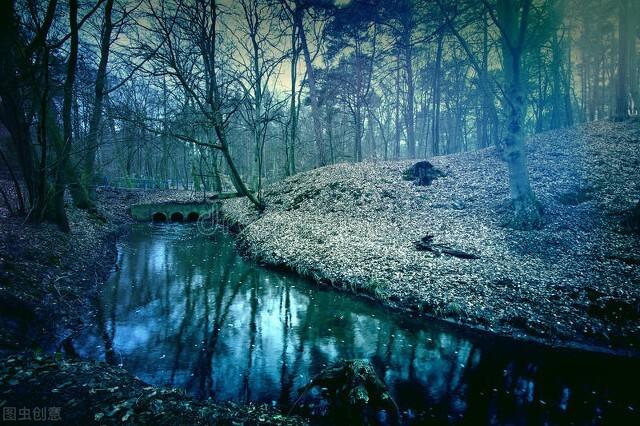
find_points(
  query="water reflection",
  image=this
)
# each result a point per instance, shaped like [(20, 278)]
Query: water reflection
[(185, 310)]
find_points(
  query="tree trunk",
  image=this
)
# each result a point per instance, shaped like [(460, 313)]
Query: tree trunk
[(567, 82), (436, 97), (634, 63), (556, 95), (67, 129), (357, 122), (293, 113), (14, 68), (236, 179), (409, 116), (622, 104), (78, 192), (398, 133), (12, 116), (96, 114), (527, 212), (41, 209), (315, 104), (483, 130), (16, 183)]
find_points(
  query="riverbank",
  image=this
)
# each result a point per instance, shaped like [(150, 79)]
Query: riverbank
[(85, 392), (48, 278), (48, 282), (572, 283)]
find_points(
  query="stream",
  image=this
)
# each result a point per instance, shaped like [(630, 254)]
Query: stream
[(185, 310)]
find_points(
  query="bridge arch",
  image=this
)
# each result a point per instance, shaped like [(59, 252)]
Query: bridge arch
[(163, 212), (159, 217), (177, 217)]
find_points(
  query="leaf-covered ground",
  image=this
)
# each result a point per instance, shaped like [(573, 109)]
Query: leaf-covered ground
[(576, 281), (85, 392)]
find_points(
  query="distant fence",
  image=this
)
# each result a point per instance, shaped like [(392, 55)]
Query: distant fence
[(140, 183), (123, 183)]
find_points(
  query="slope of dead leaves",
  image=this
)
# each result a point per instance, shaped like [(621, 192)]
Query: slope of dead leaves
[(576, 281)]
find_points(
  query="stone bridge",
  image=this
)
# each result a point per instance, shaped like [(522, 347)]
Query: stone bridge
[(171, 211)]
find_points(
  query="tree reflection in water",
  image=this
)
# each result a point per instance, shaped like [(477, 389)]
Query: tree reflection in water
[(185, 310)]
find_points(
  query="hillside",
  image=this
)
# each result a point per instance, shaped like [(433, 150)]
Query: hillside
[(576, 281)]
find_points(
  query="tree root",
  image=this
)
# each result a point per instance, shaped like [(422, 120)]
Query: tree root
[(353, 385)]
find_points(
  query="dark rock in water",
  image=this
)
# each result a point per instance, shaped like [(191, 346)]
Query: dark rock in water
[(353, 386), (422, 173)]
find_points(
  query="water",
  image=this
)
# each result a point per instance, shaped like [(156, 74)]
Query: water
[(186, 310)]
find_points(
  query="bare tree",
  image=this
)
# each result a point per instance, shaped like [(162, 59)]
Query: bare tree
[(188, 36), (259, 59)]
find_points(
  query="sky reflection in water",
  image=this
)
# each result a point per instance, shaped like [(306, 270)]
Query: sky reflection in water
[(187, 311)]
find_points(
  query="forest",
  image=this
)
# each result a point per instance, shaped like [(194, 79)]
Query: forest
[(324, 211), (229, 96)]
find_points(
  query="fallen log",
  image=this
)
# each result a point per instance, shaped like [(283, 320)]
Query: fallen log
[(426, 244), (225, 195)]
